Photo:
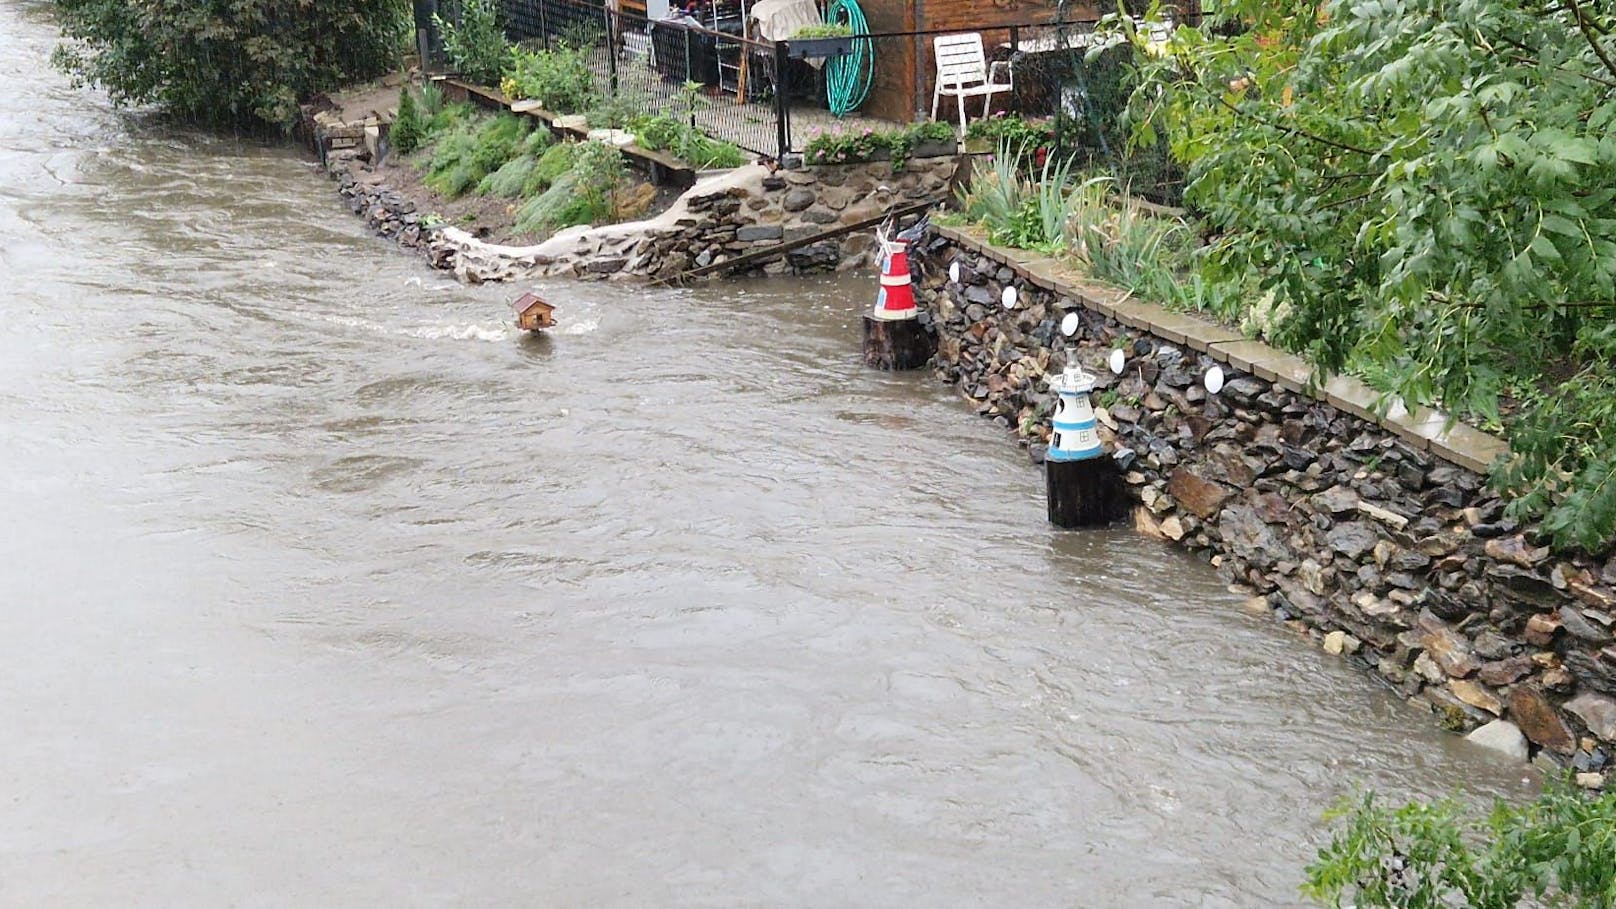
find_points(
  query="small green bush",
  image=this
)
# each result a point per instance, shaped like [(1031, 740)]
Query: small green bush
[(537, 142), (499, 140), (409, 128), (562, 205), (685, 142), (448, 172), (508, 181), (555, 161)]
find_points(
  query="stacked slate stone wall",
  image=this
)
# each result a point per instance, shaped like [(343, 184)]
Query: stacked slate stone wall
[(751, 209), (1383, 554)]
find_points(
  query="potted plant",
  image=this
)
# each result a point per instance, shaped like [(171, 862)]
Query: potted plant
[(827, 39), (931, 140)]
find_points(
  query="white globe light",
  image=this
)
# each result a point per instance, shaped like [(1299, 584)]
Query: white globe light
[(1069, 324), (1214, 379), (1118, 360), (1009, 298), (953, 272)]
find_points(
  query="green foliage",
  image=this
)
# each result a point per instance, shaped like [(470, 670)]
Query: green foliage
[(468, 153), (1013, 131), (499, 140), (1424, 187), (1559, 850), (432, 100), (1564, 447), (233, 63), (559, 206), (842, 147), (409, 128), (685, 142), (615, 112), (447, 117), (510, 179), (551, 165), (537, 142), (825, 30), (476, 44), (559, 79), (449, 169)]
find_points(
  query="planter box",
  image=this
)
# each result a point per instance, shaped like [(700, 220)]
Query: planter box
[(935, 150), (808, 48)]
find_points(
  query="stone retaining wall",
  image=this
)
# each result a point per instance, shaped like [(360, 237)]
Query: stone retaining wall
[(1350, 531), (721, 218)]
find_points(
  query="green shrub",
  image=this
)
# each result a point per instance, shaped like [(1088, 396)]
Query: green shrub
[(446, 118), (1559, 850), (408, 129), (537, 142), (509, 181), (555, 161), (246, 63), (563, 205), (559, 79), (449, 169), (685, 142), (432, 100), (1017, 133), (476, 45), (499, 140)]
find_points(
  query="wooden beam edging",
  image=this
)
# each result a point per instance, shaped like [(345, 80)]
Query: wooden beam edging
[(1427, 429)]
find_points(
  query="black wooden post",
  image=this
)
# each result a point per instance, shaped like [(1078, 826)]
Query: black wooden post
[(426, 33), (612, 26), (782, 105)]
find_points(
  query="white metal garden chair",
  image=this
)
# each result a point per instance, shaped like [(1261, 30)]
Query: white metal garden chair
[(963, 72)]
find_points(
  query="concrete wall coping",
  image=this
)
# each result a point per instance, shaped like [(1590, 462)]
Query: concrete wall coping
[(1426, 429)]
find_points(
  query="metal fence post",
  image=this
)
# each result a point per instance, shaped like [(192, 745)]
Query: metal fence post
[(782, 105), (544, 24), (611, 48)]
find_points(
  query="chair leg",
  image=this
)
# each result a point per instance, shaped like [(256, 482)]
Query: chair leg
[(961, 98), (936, 96)]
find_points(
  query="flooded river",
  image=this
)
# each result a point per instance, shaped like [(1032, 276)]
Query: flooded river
[(320, 586)]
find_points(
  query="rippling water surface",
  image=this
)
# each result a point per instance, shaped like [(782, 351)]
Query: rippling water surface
[(321, 586)]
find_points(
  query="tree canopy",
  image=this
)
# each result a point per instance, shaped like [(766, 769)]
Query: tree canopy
[(238, 63), (1424, 186)]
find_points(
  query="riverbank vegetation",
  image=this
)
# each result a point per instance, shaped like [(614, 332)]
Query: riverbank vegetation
[(528, 183), (243, 64), (1558, 850), (558, 78), (1417, 193)]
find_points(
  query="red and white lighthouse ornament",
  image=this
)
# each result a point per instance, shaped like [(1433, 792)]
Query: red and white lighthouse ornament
[(896, 300)]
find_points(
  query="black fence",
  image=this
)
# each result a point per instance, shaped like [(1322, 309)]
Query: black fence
[(700, 68), (1071, 77)]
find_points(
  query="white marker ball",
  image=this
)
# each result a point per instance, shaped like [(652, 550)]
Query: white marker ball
[(1009, 298), (1214, 379), (1069, 324), (1118, 360), (953, 272)]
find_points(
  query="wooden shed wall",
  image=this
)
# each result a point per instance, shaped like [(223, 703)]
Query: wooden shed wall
[(903, 66)]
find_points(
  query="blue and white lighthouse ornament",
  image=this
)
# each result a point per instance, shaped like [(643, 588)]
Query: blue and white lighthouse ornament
[(1076, 437)]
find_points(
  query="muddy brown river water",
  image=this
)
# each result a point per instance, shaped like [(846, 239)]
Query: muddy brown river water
[(319, 586)]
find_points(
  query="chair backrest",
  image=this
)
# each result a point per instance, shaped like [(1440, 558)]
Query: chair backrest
[(960, 59)]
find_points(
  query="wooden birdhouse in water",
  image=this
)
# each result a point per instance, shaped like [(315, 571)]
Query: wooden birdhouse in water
[(532, 313)]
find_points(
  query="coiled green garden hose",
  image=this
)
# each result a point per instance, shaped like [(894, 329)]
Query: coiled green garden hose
[(848, 77)]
